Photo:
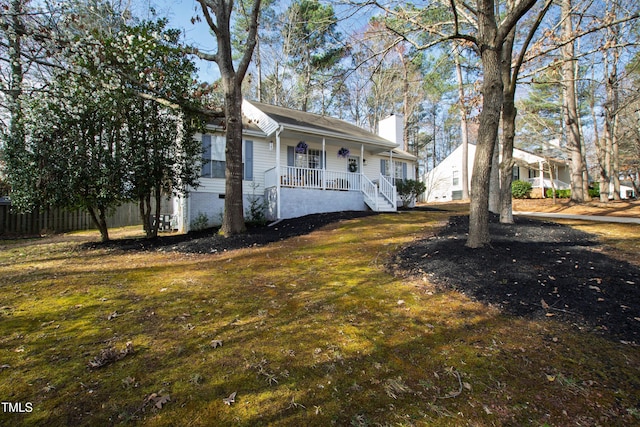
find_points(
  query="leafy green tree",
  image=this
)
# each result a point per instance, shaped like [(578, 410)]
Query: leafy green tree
[(116, 122), (74, 156), (162, 154)]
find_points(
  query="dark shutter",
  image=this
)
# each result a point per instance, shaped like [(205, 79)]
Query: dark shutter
[(248, 160), (290, 156), (206, 156)]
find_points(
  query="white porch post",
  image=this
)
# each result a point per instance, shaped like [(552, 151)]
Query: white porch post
[(278, 172), (323, 162), (541, 167), (361, 166)]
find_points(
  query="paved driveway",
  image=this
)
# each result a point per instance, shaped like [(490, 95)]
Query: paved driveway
[(620, 219)]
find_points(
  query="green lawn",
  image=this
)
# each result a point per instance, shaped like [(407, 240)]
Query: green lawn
[(308, 331)]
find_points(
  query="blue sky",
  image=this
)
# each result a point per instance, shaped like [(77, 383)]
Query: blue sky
[(180, 13)]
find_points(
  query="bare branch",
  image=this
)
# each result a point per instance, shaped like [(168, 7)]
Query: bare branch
[(513, 17), (520, 59), (251, 42)]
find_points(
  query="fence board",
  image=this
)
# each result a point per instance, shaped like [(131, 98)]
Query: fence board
[(61, 220)]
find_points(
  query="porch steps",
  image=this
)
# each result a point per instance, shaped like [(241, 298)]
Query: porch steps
[(383, 205)]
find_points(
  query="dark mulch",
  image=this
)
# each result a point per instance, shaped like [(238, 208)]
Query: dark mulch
[(533, 268), (207, 241)]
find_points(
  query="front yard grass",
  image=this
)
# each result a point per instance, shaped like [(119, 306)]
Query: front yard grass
[(309, 331)]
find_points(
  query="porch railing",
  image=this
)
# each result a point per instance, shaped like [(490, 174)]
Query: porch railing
[(314, 178), (295, 177)]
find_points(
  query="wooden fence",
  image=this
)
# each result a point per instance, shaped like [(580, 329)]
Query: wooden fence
[(61, 220)]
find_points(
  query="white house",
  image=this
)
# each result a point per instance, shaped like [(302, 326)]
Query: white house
[(299, 163), (444, 182)]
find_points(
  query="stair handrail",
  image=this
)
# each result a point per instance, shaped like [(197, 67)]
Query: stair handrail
[(388, 190), (370, 191)]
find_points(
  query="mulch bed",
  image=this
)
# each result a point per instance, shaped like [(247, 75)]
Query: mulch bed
[(207, 241), (533, 268)]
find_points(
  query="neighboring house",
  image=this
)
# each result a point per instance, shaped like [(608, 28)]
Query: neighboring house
[(299, 163), (626, 190), (444, 182)]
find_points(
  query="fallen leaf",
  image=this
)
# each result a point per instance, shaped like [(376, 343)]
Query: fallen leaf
[(231, 399), (158, 400), (162, 400), (544, 304)]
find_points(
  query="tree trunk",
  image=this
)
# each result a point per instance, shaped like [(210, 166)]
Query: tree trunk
[(233, 216), (601, 150), (570, 109), (611, 113), (143, 216), (15, 146), (506, 167), (464, 128), (232, 77), (99, 219), (158, 197), (494, 180), (509, 113), (492, 91)]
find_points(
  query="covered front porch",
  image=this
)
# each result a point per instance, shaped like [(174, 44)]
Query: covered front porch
[(297, 191)]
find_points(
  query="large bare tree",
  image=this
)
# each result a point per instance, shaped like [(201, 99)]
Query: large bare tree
[(487, 31), (570, 107), (217, 14)]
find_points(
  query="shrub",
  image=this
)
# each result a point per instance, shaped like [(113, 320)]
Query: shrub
[(594, 190), (409, 189), (520, 189), (560, 194), (256, 212), (200, 222)]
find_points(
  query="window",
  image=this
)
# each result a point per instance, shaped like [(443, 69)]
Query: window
[(456, 178), (311, 159), (314, 157), (516, 172), (399, 169), (213, 157), (384, 167)]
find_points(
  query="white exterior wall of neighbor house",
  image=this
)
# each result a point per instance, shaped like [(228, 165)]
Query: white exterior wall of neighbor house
[(446, 178)]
